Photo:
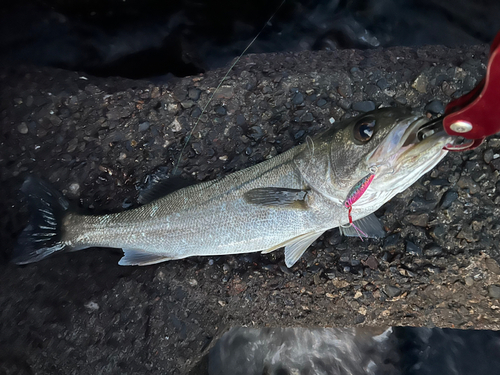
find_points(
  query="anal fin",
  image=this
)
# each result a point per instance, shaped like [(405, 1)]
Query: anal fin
[(370, 225), (135, 257), (296, 247)]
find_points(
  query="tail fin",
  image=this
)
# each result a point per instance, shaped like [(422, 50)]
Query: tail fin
[(42, 236)]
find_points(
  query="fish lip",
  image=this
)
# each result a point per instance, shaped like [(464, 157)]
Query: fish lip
[(404, 138)]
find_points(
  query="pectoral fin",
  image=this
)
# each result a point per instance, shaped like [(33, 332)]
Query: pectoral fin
[(370, 225), (297, 247), (283, 197), (134, 257)]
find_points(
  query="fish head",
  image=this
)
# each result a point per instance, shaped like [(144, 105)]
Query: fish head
[(384, 143)]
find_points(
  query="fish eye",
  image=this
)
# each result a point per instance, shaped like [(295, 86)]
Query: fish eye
[(364, 129)]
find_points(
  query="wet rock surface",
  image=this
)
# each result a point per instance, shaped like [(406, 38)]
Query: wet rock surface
[(98, 139)]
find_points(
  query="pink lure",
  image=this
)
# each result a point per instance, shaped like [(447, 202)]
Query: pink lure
[(356, 192)]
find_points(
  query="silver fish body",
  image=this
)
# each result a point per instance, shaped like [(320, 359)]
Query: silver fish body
[(287, 201)]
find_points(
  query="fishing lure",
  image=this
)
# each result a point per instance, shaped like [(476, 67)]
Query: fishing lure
[(354, 194)]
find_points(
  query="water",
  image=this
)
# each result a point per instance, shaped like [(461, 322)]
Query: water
[(355, 351)]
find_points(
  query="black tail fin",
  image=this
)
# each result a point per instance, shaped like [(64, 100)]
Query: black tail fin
[(42, 236)]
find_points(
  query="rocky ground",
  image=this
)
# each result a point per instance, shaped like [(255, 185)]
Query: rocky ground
[(98, 139)]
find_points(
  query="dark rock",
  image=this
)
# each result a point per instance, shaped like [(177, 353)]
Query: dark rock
[(221, 110), (144, 126), (488, 156), (321, 103), (392, 241), (298, 99), (255, 133), (448, 198), (299, 134), (392, 291), (419, 204), (436, 107), (494, 291), (433, 251), (418, 220), (382, 83), (364, 106), (194, 94), (439, 231), (413, 249), (308, 117)]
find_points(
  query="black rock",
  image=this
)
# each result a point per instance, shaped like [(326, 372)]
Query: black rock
[(220, 110), (194, 94), (419, 205), (448, 198), (436, 107), (433, 251), (256, 133), (392, 241), (413, 249), (382, 83), (365, 106), (298, 99), (321, 102), (392, 291)]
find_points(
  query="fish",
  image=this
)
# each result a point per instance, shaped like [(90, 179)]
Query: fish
[(337, 179)]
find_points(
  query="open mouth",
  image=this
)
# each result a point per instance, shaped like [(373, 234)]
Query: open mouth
[(411, 136)]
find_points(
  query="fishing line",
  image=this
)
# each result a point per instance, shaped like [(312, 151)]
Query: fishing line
[(188, 138)]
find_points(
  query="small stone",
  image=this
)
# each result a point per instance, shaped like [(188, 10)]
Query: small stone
[(494, 291), (220, 110), (364, 106), (418, 220), (22, 128), (192, 282), (467, 234), (298, 99), (29, 101), (492, 265), (419, 204), (392, 291), (308, 117), (382, 83), (299, 134), (420, 84), (74, 188), (448, 198), (469, 281), (187, 104), (256, 133), (344, 103), (436, 107), (433, 251), (488, 156), (144, 126), (413, 249), (321, 102), (92, 306), (371, 262), (194, 94)]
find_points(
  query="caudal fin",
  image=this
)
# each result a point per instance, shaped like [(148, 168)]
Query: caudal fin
[(42, 236)]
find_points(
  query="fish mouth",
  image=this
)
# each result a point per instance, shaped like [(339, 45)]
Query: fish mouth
[(410, 140)]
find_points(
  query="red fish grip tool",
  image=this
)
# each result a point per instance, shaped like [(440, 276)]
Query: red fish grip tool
[(474, 116)]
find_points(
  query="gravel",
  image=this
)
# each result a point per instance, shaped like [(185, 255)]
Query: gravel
[(82, 312)]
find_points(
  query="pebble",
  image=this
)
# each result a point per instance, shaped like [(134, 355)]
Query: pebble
[(144, 126), (492, 265), (299, 134), (488, 156), (494, 291), (364, 106), (433, 251), (419, 204), (466, 182), (22, 128), (321, 102), (448, 198), (469, 281), (436, 107), (413, 249), (220, 110), (392, 291), (382, 83), (298, 99), (418, 220), (308, 117), (256, 133), (194, 94)]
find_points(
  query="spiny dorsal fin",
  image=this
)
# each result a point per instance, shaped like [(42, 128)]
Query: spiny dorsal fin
[(272, 196), (370, 225)]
